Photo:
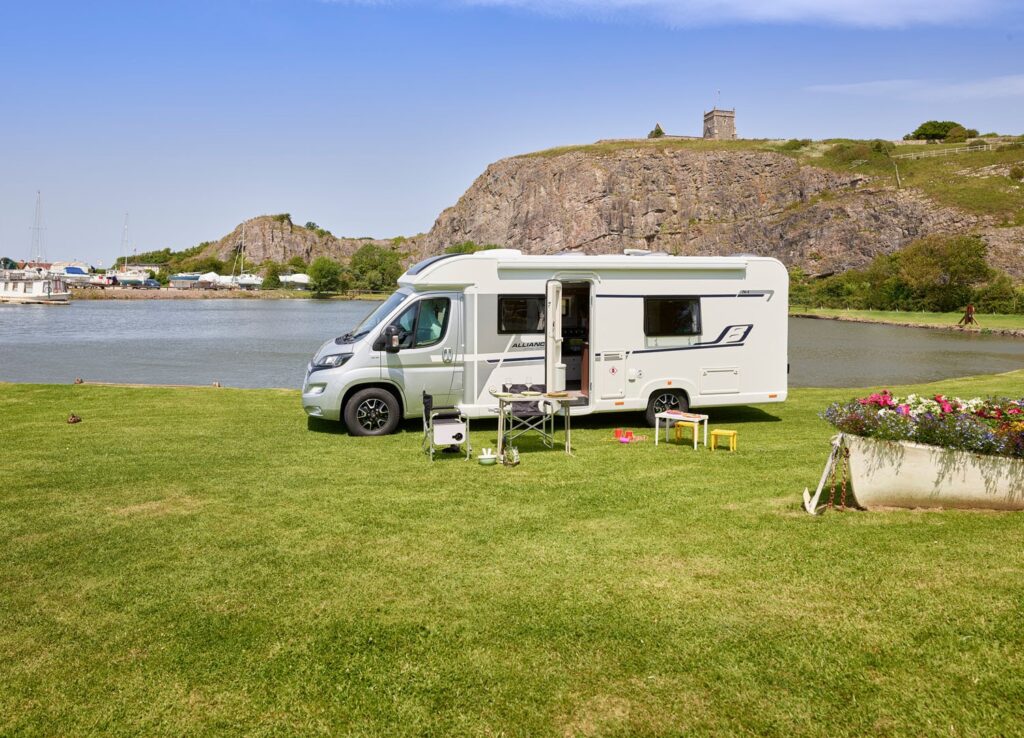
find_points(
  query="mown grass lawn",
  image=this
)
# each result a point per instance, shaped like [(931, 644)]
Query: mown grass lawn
[(985, 321), (199, 561)]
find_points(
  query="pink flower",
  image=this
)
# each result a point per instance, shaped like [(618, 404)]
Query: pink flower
[(1014, 411), (903, 409), (946, 407)]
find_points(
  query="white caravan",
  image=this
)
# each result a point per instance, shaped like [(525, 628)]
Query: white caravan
[(633, 332)]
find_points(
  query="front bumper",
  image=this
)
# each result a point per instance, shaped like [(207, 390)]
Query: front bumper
[(321, 397)]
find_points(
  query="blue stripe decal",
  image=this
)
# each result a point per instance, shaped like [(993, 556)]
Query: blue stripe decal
[(516, 358), (719, 342), (688, 348), (731, 294)]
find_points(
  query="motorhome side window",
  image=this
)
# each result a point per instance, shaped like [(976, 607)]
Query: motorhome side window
[(671, 316), (423, 324), (521, 314)]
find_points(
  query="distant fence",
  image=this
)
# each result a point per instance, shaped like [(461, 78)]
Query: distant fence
[(957, 150)]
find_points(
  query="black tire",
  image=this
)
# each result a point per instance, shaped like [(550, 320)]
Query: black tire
[(665, 399), (372, 412)]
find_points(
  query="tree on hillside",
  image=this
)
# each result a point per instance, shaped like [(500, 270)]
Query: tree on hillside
[(656, 132), (311, 226), (204, 264), (998, 296), (272, 276), (956, 134), (934, 130), (375, 268), (944, 269), (296, 263), (324, 275), (470, 247)]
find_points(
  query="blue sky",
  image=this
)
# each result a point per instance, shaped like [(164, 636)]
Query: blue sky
[(371, 117)]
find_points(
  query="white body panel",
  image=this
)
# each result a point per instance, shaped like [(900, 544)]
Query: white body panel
[(738, 356), (28, 287)]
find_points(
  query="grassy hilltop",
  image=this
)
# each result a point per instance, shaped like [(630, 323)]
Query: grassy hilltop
[(197, 561), (975, 181)]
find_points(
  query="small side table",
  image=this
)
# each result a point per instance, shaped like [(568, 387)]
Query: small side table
[(670, 416)]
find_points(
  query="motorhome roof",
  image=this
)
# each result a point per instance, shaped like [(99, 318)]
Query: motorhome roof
[(450, 267)]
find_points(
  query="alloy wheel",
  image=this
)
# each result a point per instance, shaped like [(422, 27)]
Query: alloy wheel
[(372, 414), (666, 401)]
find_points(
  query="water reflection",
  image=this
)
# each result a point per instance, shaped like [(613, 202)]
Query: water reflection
[(266, 343)]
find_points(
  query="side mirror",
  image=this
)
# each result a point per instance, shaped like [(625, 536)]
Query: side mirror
[(391, 339)]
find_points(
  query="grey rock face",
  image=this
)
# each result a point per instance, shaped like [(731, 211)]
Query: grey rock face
[(275, 238), (681, 201), (690, 202)]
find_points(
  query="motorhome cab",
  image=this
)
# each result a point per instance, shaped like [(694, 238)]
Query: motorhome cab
[(632, 332)]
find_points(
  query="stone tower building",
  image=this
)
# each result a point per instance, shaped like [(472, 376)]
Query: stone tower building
[(720, 125)]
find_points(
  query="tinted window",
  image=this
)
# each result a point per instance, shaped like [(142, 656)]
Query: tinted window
[(671, 316), (423, 323), (521, 314), (432, 320)]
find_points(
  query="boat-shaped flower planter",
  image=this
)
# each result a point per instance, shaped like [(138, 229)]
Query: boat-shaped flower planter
[(906, 474)]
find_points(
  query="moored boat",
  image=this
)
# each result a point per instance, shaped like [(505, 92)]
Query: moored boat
[(31, 288)]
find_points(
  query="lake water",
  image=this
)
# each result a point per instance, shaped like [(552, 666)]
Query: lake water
[(266, 343)]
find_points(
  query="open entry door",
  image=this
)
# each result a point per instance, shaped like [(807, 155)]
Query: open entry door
[(554, 368)]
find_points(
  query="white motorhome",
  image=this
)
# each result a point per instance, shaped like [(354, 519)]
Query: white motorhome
[(633, 332)]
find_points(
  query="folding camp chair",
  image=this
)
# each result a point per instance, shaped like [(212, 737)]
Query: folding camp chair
[(444, 427), (529, 416)]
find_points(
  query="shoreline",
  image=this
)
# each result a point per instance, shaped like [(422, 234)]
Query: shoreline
[(127, 293), (1012, 332)]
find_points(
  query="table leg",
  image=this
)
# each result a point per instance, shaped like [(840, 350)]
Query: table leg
[(696, 430), (568, 430), (657, 431), (501, 427), (705, 432)]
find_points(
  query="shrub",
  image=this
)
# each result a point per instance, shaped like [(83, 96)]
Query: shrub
[(1017, 172), (956, 134), (272, 276), (942, 270), (297, 263), (934, 130), (202, 265), (470, 247), (795, 144), (375, 268), (997, 296), (847, 153), (656, 132), (324, 275)]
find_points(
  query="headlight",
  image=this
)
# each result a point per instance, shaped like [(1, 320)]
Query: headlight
[(331, 362)]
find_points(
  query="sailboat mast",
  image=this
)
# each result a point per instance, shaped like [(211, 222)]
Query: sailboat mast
[(124, 243), (37, 230)]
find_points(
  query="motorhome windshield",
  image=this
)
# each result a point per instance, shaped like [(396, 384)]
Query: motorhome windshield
[(372, 320)]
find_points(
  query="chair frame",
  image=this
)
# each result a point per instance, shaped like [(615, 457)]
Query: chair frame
[(538, 421), (441, 413)]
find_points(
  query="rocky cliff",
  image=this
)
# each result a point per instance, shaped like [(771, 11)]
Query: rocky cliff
[(691, 201), (276, 238), (695, 200)]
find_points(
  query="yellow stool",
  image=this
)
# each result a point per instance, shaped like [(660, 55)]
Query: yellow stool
[(681, 425), (731, 435)]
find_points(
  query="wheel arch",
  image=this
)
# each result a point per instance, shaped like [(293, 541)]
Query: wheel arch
[(681, 388), (386, 386)]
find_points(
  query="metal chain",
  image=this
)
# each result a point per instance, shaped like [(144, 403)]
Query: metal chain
[(832, 492), (846, 476)]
